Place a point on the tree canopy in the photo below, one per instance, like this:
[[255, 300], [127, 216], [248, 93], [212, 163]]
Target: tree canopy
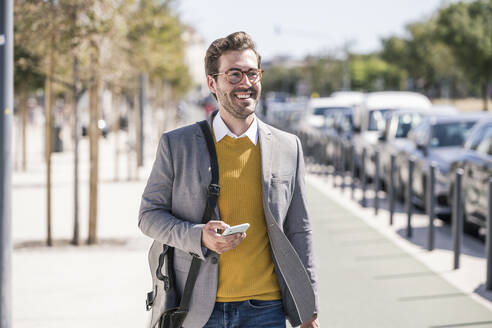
[[133, 37], [466, 27]]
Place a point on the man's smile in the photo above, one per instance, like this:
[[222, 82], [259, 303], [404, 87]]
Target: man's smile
[[243, 95]]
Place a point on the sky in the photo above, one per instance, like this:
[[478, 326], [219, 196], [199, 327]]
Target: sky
[[299, 28]]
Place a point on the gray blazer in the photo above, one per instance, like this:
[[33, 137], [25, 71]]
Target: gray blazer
[[172, 207]]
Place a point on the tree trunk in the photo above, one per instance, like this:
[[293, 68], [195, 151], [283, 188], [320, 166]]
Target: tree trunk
[[130, 139], [23, 108], [485, 95], [116, 134], [136, 113], [142, 102], [75, 135], [48, 136], [94, 145]]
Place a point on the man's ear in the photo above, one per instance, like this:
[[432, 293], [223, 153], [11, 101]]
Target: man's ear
[[211, 84]]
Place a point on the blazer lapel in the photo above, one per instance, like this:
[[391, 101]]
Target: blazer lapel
[[266, 149], [290, 265]]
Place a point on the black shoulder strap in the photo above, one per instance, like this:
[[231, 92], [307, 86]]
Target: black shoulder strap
[[212, 196], [213, 188]]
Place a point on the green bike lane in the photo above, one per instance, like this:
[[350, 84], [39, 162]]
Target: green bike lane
[[368, 281]]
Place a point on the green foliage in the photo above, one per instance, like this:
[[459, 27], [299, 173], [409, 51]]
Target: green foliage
[[371, 73], [281, 78], [466, 27], [325, 75], [129, 37], [428, 62], [316, 75], [155, 45], [27, 77]]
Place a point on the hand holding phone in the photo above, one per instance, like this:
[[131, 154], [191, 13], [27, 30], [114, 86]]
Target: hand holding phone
[[240, 228], [217, 242]]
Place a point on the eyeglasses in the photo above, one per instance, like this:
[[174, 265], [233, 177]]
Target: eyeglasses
[[234, 76]]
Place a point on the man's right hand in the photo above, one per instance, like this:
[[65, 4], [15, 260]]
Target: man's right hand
[[216, 242]]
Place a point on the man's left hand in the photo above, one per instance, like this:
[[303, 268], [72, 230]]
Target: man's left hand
[[311, 323]]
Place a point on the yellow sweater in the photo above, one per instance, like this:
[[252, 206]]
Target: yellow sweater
[[245, 272]]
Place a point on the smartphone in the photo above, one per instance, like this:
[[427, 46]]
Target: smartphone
[[240, 228]]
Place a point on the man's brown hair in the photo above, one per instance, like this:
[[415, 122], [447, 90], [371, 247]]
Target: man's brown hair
[[234, 41]]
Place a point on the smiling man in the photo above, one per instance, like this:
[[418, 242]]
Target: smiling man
[[253, 280]]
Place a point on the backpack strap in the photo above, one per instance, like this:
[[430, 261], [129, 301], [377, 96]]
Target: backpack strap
[[212, 196], [213, 188]]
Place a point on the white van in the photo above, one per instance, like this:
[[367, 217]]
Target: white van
[[369, 118]]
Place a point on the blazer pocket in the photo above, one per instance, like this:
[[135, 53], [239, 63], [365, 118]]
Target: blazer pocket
[[280, 194]]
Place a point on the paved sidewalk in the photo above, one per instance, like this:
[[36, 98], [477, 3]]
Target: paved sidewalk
[[368, 280]]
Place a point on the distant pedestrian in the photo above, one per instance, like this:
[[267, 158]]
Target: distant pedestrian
[[253, 280]]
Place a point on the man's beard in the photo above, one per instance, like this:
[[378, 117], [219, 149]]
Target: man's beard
[[230, 103]]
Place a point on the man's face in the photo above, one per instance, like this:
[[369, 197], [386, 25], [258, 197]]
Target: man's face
[[240, 99]]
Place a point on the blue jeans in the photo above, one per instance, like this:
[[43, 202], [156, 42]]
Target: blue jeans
[[250, 313]]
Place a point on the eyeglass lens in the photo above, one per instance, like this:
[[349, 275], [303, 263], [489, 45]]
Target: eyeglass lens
[[235, 76]]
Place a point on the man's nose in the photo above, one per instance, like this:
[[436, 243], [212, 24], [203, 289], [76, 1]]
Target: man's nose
[[245, 80]]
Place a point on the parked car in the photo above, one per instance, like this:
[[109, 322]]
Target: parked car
[[477, 170], [317, 128], [341, 130], [320, 111], [439, 140], [394, 139], [369, 119]]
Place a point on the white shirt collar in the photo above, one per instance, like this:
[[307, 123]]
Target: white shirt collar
[[221, 130]]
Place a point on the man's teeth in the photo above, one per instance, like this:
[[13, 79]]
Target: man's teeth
[[243, 95]]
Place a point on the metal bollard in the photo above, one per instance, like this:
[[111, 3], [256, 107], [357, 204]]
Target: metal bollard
[[376, 182], [457, 218], [363, 176], [335, 162], [352, 169], [391, 189], [326, 160], [488, 243], [409, 204], [431, 199], [333, 153], [342, 164], [316, 151]]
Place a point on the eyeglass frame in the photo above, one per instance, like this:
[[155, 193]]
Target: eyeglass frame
[[243, 73]]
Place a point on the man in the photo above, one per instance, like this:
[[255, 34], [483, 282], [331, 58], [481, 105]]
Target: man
[[246, 280]]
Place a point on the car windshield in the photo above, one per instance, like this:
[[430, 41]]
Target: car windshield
[[405, 123], [328, 110], [450, 134], [376, 119]]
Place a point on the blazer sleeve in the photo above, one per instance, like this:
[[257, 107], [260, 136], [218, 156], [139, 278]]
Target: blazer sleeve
[[297, 227], [155, 216]]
